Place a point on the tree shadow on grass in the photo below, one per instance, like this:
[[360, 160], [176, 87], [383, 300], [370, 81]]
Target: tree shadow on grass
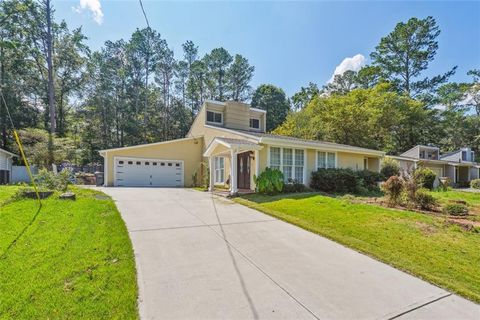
[[14, 241]]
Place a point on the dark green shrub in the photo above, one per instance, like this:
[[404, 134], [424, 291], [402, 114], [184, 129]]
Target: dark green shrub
[[475, 184], [456, 209], [393, 189], [335, 180], [369, 179], [270, 181], [426, 177], [390, 167], [293, 186], [425, 200]]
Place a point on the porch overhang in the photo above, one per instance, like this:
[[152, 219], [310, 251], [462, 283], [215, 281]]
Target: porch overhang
[[220, 146]]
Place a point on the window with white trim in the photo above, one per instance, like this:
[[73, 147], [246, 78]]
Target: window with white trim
[[254, 123], [214, 117], [219, 169], [326, 160], [288, 160]]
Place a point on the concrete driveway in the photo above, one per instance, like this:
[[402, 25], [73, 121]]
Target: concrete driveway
[[203, 257]]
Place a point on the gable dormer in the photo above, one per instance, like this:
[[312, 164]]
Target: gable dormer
[[235, 115], [423, 152], [461, 155]]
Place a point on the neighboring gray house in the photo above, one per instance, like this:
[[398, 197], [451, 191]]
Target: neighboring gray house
[[6, 166], [459, 166]]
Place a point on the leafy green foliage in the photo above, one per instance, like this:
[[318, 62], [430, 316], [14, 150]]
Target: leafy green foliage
[[376, 118], [48, 180], [456, 209], [334, 180], [424, 200], [393, 189], [270, 181], [475, 184], [293, 186], [390, 167], [273, 100], [369, 179], [426, 177]]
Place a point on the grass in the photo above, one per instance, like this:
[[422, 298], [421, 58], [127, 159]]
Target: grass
[[7, 192], [423, 245], [74, 261]]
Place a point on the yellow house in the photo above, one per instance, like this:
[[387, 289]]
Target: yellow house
[[230, 138]]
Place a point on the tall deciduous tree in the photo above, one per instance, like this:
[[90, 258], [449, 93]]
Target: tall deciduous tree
[[273, 100], [304, 96], [406, 52]]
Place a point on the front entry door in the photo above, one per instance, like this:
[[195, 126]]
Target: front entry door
[[243, 170]]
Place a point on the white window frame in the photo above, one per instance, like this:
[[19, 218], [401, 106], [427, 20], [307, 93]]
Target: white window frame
[[293, 161], [250, 123], [218, 169], [326, 159], [213, 122]]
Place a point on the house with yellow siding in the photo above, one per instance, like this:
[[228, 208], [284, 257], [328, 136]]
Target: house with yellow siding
[[230, 139]]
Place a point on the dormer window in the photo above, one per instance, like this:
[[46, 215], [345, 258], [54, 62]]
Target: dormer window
[[214, 117], [254, 123]]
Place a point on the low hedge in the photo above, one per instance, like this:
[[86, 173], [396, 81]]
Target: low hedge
[[344, 180]]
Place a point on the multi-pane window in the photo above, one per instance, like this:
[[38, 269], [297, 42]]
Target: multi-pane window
[[214, 117], [290, 161], [219, 170], [275, 162], [254, 123], [326, 160]]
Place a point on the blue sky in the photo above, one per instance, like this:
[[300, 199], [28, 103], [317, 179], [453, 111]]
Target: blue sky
[[289, 43]]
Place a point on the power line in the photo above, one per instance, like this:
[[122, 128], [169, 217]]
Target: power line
[[144, 14]]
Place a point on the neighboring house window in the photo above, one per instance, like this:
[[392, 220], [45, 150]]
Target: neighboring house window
[[326, 160], [254, 123], [214, 117], [219, 169], [472, 156], [422, 154], [464, 155], [290, 161]]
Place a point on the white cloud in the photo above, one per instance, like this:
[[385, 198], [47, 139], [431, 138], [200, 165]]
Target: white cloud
[[354, 63], [94, 7]]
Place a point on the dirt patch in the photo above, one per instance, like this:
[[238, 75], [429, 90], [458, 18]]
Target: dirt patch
[[426, 228]]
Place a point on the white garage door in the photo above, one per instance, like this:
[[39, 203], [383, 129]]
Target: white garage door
[[135, 172]]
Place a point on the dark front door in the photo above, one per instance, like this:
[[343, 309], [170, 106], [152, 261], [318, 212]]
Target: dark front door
[[243, 170]]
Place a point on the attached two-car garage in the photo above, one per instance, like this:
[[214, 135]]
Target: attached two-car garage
[[172, 163], [135, 172]]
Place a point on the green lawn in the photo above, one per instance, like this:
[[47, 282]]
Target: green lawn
[[7, 192], [420, 244], [75, 261]]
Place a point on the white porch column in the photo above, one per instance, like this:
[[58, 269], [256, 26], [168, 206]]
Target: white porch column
[[233, 172], [211, 167]]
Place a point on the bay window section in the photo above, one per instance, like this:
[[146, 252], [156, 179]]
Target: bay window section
[[326, 160], [290, 161]]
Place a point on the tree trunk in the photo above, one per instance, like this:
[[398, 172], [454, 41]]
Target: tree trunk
[[51, 88]]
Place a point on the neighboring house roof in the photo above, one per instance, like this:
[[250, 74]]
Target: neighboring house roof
[[448, 154], [8, 152]]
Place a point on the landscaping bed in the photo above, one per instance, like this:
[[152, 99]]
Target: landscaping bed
[[69, 259], [424, 245]]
